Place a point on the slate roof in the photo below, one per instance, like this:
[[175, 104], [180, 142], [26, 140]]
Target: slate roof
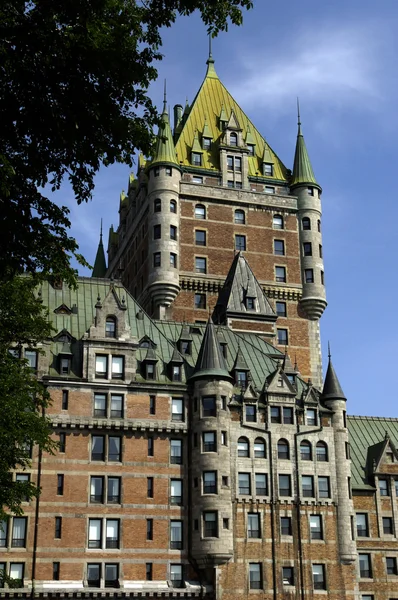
[[302, 168], [364, 433], [99, 268], [331, 388], [210, 361], [164, 152]]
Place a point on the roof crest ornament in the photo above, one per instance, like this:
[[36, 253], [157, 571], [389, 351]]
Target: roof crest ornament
[[329, 353], [298, 116], [164, 98]]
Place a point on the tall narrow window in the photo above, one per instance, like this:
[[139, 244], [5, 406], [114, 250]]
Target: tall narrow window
[[316, 527], [176, 491], [309, 275], [176, 535], [58, 528], [244, 484], [240, 217], [18, 538], [60, 485], [233, 139], [148, 571], [200, 211], [176, 452], [56, 571], [210, 482], [318, 576], [306, 223], [112, 533], [306, 450], [210, 525], [283, 449], [279, 247], [255, 576], [65, 399], [149, 529], [253, 525], [307, 482], [321, 452], [277, 222], [240, 243], [110, 327], [280, 274], [261, 484], [150, 487], [62, 442], [365, 568]]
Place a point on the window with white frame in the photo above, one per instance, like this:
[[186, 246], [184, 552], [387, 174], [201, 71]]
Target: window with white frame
[[176, 538], [177, 409]]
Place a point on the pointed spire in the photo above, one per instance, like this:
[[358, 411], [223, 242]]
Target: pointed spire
[[99, 269], [210, 362], [211, 72], [332, 388], [302, 169], [164, 152], [240, 363]]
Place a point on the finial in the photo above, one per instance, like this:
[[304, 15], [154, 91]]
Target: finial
[[164, 97], [295, 362], [298, 117], [101, 231], [329, 353], [210, 39]]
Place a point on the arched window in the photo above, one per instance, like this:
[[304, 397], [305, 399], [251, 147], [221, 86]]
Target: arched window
[[233, 139], [110, 327], [240, 217], [157, 205], [283, 449], [259, 448], [243, 447], [277, 222], [306, 223], [200, 211], [322, 452], [305, 450], [173, 206]]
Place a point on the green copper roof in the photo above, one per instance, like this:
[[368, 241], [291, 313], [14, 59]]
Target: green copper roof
[[249, 137], [210, 362], [302, 169], [332, 388], [99, 269], [196, 147], [165, 151], [206, 133]]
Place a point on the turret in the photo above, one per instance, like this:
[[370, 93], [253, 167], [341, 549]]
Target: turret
[[210, 470], [164, 174], [99, 269], [308, 191], [333, 398]]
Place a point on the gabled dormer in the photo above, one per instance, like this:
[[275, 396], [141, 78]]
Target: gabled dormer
[[207, 137], [278, 384], [148, 365], [382, 458], [196, 152], [240, 370], [185, 341], [175, 366], [267, 163]]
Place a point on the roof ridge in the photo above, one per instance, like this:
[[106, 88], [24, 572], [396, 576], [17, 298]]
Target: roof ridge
[[373, 418]]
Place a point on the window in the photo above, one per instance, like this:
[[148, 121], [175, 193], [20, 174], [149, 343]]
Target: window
[[99, 443], [268, 169], [243, 447], [277, 222], [320, 251], [148, 571], [288, 415], [173, 260], [197, 179], [117, 367], [209, 441], [306, 223], [200, 265], [157, 232], [176, 535], [233, 139], [65, 399], [286, 525], [101, 366], [176, 576], [18, 538], [152, 405], [31, 357], [240, 243], [209, 406], [173, 232], [307, 249], [269, 189], [306, 450], [362, 525], [173, 206], [149, 529], [65, 362], [176, 491], [56, 571], [318, 576], [100, 529], [280, 274], [197, 159], [288, 575], [149, 486], [365, 568], [97, 490], [281, 309], [200, 211], [176, 452], [60, 485], [283, 449], [156, 259], [210, 525], [250, 148], [261, 484], [311, 191], [62, 442], [253, 525], [200, 237], [276, 414], [112, 575], [259, 448], [383, 487], [322, 278], [250, 303], [17, 573], [285, 485], [241, 379], [250, 413], [316, 527], [99, 405], [206, 143], [151, 446], [323, 487], [279, 247], [3, 533], [200, 301], [309, 275], [57, 528], [255, 576], [387, 526], [177, 409], [210, 482], [307, 484], [115, 408], [94, 575], [239, 217], [391, 564], [169, 171], [244, 484], [321, 452], [311, 416]]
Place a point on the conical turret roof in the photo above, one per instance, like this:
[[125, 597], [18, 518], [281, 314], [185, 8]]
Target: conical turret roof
[[99, 269], [165, 151], [302, 168], [332, 389], [210, 362]]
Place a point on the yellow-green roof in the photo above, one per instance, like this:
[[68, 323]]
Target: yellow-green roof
[[211, 99]]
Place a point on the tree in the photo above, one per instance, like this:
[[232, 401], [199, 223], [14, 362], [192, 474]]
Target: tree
[[74, 88]]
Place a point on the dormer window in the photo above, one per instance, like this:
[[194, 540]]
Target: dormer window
[[241, 379], [110, 327], [268, 169], [185, 347], [206, 143], [233, 139], [65, 365], [250, 148], [196, 159], [150, 371], [250, 303], [176, 373]]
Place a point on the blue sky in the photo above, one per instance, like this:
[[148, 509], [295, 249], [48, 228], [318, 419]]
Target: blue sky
[[341, 60]]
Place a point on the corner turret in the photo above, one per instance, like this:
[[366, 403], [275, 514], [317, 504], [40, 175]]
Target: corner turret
[[99, 269]]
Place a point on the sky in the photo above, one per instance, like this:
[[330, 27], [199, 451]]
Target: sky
[[340, 58]]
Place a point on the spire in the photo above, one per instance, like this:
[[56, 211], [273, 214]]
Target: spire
[[211, 72], [332, 388], [302, 169], [164, 151], [99, 269], [210, 362]]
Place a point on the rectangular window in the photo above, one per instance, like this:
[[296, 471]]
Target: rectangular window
[[60, 485], [209, 441], [176, 535], [251, 413], [101, 366], [98, 447], [261, 484], [56, 571], [244, 484], [113, 493], [65, 399], [94, 533], [94, 575], [150, 487], [150, 446], [362, 525], [157, 232], [286, 525], [148, 571], [210, 525], [176, 491], [269, 189], [309, 275], [240, 243], [285, 485], [288, 415], [176, 576], [114, 449], [282, 337], [111, 575], [177, 409], [97, 490], [31, 357], [156, 259], [307, 249], [387, 526], [255, 576], [383, 487], [318, 576], [200, 265], [268, 169], [200, 238], [279, 247], [281, 309], [391, 565], [209, 406], [196, 159], [112, 533], [3, 534], [58, 528], [316, 527], [323, 487], [200, 301], [62, 442], [365, 568], [197, 179], [210, 482], [18, 538], [99, 405], [307, 482], [17, 573], [117, 367], [253, 525], [280, 274], [176, 452], [116, 406], [152, 405], [149, 529], [169, 171], [276, 414], [173, 260], [311, 416], [288, 575]]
